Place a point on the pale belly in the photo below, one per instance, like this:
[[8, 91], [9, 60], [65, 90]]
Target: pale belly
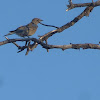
[[32, 31]]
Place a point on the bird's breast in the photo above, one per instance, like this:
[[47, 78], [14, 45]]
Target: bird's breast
[[32, 30]]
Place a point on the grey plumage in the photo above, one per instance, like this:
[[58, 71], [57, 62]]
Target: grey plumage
[[26, 30]]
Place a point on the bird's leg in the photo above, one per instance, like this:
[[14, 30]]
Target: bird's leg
[[27, 41], [28, 48], [28, 36]]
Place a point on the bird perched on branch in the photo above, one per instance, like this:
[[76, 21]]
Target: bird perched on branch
[[27, 30]]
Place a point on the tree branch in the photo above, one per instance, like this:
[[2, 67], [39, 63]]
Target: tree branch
[[47, 46], [93, 4], [73, 46], [30, 47], [62, 28]]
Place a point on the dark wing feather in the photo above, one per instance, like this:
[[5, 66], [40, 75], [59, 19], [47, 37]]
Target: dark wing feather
[[16, 29]]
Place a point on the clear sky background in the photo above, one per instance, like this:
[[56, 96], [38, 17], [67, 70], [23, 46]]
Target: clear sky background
[[57, 75]]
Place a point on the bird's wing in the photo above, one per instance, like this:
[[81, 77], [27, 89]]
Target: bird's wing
[[19, 28], [22, 31]]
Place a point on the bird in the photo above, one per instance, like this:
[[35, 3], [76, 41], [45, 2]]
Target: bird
[[26, 30]]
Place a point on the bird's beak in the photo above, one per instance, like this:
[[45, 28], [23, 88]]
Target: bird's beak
[[41, 20]]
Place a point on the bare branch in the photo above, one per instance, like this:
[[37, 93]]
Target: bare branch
[[49, 25], [93, 4], [30, 47], [72, 46], [70, 2], [14, 43], [62, 28], [47, 46]]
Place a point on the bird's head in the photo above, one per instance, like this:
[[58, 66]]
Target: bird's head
[[36, 20]]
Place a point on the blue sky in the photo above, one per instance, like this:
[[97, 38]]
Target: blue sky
[[57, 75]]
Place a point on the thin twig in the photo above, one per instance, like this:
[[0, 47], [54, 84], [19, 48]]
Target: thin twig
[[12, 42], [49, 25]]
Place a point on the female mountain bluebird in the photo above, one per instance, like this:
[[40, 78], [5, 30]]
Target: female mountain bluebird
[[26, 30]]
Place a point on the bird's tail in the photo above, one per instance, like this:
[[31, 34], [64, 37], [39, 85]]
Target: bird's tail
[[9, 33]]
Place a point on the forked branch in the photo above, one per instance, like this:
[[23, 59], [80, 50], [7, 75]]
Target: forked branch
[[33, 42]]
